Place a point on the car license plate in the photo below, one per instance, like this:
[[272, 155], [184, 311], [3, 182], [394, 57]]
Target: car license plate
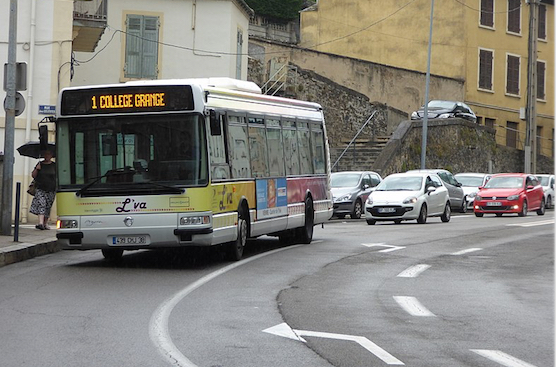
[[494, 203], [386, 210], [129, 240]]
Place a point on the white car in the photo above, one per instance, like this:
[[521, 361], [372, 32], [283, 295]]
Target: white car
[[547, 183], [470, 183], [407, 196]]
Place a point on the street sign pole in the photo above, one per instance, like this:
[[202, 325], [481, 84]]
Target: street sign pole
[[427, 82], [8, 169]]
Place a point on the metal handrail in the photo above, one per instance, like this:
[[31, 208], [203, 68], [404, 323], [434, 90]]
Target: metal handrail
[[282, 79], [352, 140]]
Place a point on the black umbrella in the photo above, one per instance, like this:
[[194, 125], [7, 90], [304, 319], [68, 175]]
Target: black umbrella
[[33, 149]]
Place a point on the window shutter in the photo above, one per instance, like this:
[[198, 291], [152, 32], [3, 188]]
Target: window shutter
[[150, 48], [133, 46]]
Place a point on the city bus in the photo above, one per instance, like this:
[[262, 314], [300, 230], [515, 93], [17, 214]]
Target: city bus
[[183, 163]]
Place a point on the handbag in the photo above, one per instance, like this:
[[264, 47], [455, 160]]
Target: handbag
[[32, 188]]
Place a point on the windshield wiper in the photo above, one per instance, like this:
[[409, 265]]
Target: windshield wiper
[[114, 172], [177, 190]]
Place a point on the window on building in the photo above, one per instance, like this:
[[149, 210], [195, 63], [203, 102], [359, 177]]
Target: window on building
[[512, 74], [489, 122], [539, 140], [485, 69], [542, 21], [141, 48], [511, 134], [514, 16], [487, 13], [541, 86], [479, 120], [239, 52]]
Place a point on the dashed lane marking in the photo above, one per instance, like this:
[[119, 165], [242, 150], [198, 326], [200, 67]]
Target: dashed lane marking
[[414, 271], [389, 248], [412, 306], [502, 358], [466, 251], [532, 224]]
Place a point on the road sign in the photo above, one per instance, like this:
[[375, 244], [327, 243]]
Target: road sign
[[19, 103]]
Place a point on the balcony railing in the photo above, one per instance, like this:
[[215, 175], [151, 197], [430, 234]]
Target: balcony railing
[[95, 10], [89, 22]]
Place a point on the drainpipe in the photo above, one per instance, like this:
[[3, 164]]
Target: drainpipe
[[30, 79]]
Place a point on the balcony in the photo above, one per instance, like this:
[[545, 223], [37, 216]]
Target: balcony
[[89, 23]]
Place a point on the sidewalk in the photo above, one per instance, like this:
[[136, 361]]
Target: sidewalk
[[31, 243]]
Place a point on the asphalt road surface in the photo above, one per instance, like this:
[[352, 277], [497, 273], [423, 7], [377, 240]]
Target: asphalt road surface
[[472, 292]]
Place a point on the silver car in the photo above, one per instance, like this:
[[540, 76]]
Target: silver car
[[547, 183], [407, 196], [350, 189], [470, 183]]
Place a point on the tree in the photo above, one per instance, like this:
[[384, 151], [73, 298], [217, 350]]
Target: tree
[[278, 10]]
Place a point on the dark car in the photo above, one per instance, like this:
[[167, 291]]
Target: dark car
[[350, 189], [445, 110]]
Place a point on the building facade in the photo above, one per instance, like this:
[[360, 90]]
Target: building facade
[[484, 43], [164, 39]]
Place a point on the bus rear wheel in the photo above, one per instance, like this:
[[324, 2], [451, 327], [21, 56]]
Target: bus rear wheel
[[306, 232]]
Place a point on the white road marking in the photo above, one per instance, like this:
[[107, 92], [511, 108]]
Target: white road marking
[[414, 271], [285, 331], [389, 248], [412, 306], [533, 224], [158, 326], [502, 358], [466, 251]]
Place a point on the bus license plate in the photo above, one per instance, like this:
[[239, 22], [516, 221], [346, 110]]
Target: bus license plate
[[129, 240], [386, 210], [494, 203]]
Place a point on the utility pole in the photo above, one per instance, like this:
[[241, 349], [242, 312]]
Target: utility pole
[[8, 170], [427, 82], [531, 107]]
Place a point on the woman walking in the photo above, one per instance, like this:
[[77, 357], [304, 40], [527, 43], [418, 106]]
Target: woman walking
[[45, 179]]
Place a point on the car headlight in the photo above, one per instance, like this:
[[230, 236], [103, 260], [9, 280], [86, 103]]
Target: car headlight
[[477, 197], [513, 197], [445, 115], [370, 200], [414, 114], [472, 195], [344, 198], [410, 200]]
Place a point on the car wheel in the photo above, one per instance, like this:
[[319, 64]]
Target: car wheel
[[371, 222], [498, 214], [445, 217], [357, 210], [398, 221], [340, 216], [422, 219], [549, 204], [542, 209], [463, 208], [523, 211], [479, 215]]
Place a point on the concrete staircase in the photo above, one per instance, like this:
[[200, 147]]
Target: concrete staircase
[[360, 156]]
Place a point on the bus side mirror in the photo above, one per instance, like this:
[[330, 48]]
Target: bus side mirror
[[43, 138], [215, 128]]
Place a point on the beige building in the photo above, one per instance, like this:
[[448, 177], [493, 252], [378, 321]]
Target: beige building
[[484, 43]]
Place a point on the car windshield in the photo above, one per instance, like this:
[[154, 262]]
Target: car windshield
[[344, 179], [543, 180], [441, 104], [400, 183], [470, 181], [505, 183]]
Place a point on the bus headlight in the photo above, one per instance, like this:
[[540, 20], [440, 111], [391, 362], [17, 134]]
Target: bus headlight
[[194, 220], [66, 223]]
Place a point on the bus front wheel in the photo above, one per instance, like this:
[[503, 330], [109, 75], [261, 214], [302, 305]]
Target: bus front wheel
[[235, 248]]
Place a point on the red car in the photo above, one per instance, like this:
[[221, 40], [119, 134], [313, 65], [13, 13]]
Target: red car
[[510, 193]]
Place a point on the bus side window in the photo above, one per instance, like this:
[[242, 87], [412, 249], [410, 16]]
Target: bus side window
[[219, 166], [318, 148], [257, 147], [304, 141], [275, 147], [291, 151], [238, 148]]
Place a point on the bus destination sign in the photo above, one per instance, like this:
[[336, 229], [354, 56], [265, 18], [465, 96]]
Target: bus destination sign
[[130, 99]]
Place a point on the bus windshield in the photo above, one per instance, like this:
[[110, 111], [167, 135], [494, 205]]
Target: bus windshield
[[131, 153]]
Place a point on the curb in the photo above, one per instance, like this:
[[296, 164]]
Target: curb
[[24, 251]]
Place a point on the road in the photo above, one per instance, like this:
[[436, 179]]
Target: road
[[471, 292]]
